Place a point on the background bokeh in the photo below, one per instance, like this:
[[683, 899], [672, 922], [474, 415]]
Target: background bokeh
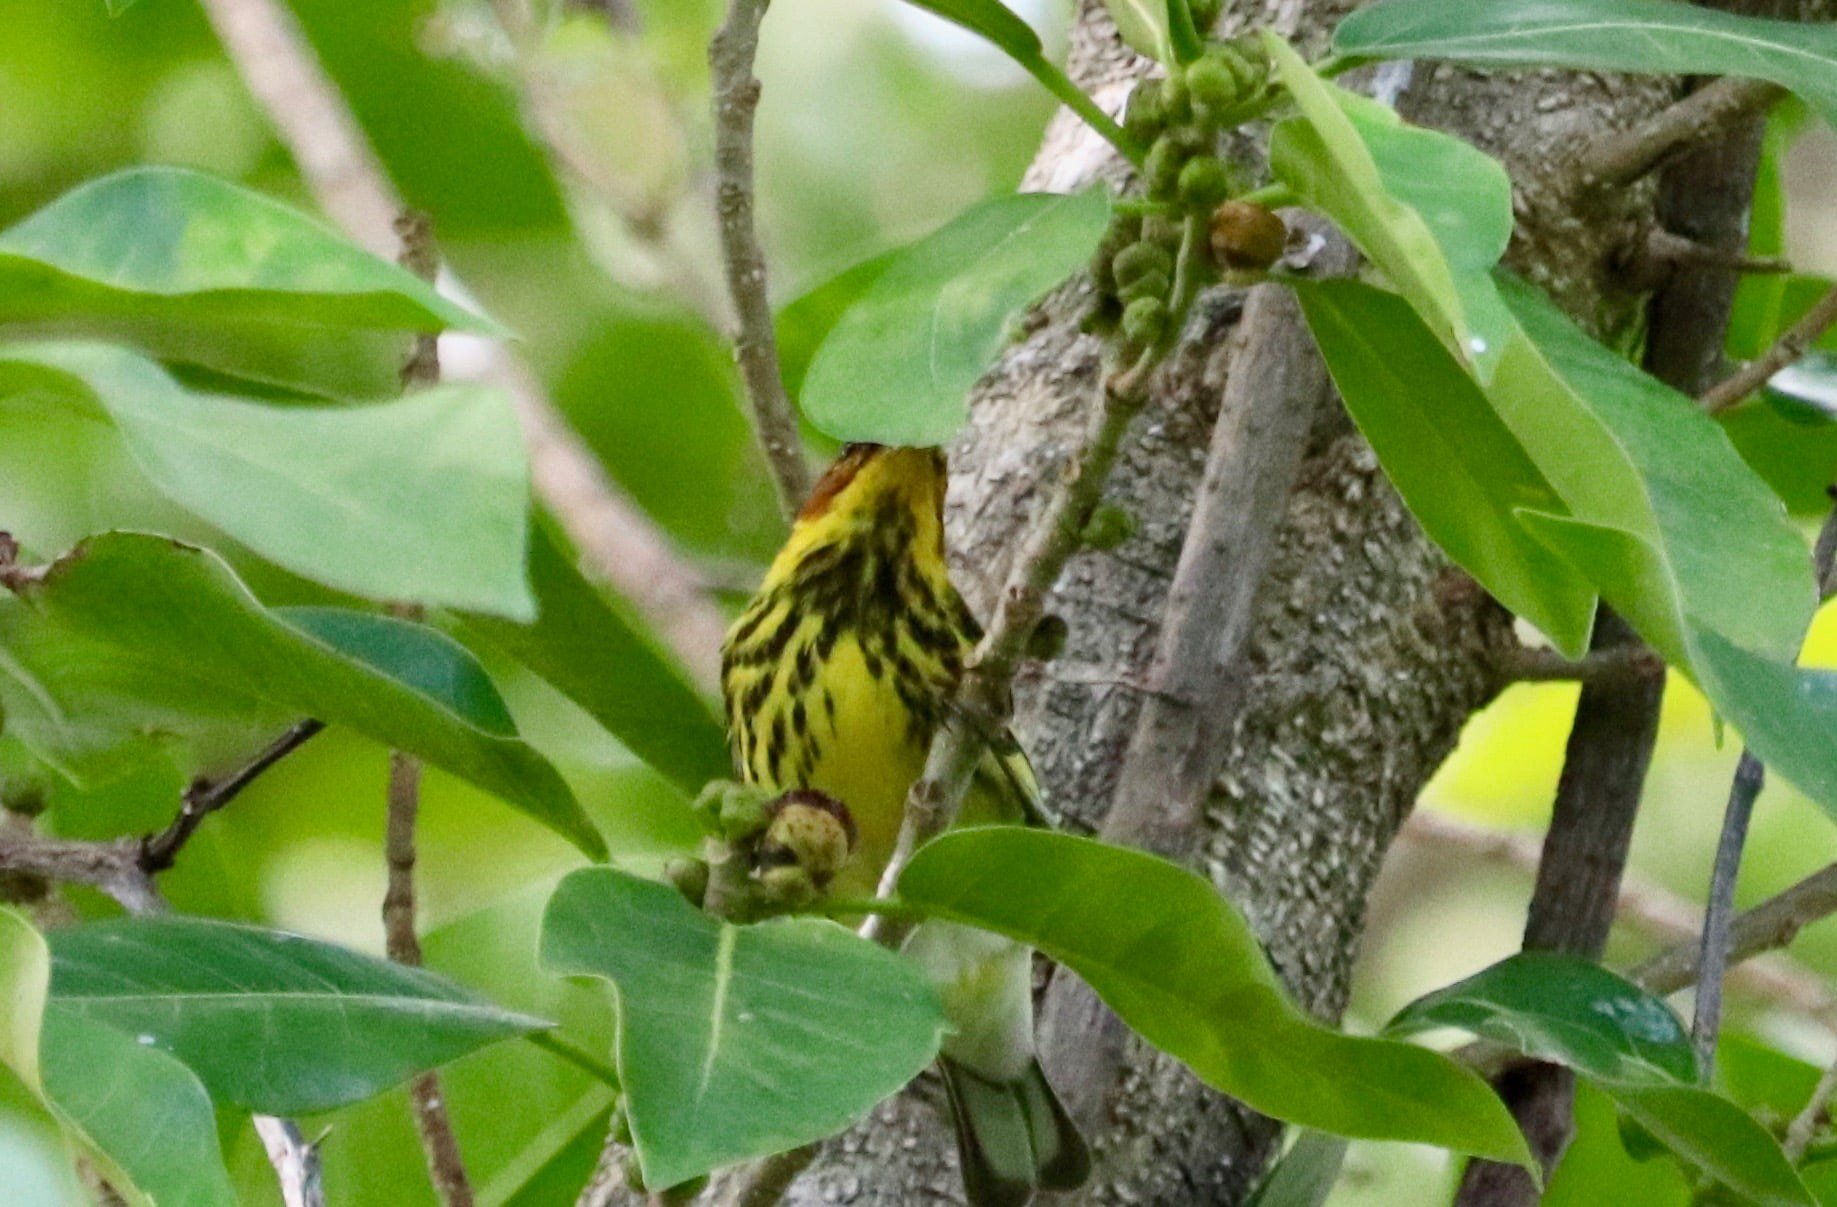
[[568, 179]]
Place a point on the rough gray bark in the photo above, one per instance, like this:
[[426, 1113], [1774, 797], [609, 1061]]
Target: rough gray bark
[[1368, 653]]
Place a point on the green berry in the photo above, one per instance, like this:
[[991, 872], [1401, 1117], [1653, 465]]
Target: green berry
[[1213, 84], [1205, 13], [1139, 260], [1154, 285], [1145, 321], [1204, 182], [1176, 102], [1161, 170]]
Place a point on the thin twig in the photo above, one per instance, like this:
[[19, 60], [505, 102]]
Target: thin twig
[[295, 1160], [1771, 925], [204, 797], [1626, 155], [1793, 343], [1750, 775], [625, 548], [1816, 1114], [446, 1166], [736, 101], [1706, 1020], [982, 701]]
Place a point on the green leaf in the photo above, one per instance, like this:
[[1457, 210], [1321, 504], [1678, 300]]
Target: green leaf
[[140, 1113], [1305, 1175], [132, 633], [805, 322], [427, 661], [1602, 35], [272, 1022], [738, 1041], [993, 20], [1182, 968], [199, 270], [1667, 521], [25, 973], [1564, 1009], [1786, 714], [1459, 468], [596, 651], [144, 1116], [554, 1166], [1432, 212], [898, 366], [1717, 1136], [1144, 25], [419, 500]]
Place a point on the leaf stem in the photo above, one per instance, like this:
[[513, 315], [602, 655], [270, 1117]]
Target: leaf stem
[[1271, 196], [1079, 101], [1183, 32], [572, 1054], [892, 907]]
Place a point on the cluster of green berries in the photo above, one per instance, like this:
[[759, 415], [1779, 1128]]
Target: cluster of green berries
[[1180, 120]]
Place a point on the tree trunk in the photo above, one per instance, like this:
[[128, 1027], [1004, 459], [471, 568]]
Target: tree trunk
[[1368, 655]]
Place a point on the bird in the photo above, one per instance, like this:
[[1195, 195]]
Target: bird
[[836, 675]]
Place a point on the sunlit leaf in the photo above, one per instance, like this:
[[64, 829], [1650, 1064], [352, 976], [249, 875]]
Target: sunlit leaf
[[1604, 35], [199, 270], [271, 1022], [1459, 468], [143, 1116], [898, 366], [1701, 538], [1713, 1134], [1183, 969], [132, 633], [1432, 212], [421, 500], [1565, 1009], [738, 1041]]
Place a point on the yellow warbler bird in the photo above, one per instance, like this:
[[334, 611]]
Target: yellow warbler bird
[[836, 677]]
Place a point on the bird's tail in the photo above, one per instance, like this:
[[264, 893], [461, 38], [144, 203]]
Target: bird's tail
[[1014, 1137]]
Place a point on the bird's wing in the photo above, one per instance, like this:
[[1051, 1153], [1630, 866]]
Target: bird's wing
[[1005, 779]]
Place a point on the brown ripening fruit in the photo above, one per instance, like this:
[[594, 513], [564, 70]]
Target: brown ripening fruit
[[1247, 236]]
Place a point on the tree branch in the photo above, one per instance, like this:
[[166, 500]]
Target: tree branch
[[295, 1160], [204, 797], [113, 867], [1791, 345], [1199, 679], [1772, 924], [446, 1167], [736, 100], [1538, 664], [1703, 197], [271, 54], [1626, 155]]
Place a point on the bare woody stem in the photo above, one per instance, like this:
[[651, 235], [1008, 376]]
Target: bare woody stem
[[736, 102], [1750, 775], [982, 703], [1630, 154], [445, 1166], [1791, 345], [204, 797]]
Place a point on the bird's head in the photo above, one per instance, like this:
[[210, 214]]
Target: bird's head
[[869, 478]]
